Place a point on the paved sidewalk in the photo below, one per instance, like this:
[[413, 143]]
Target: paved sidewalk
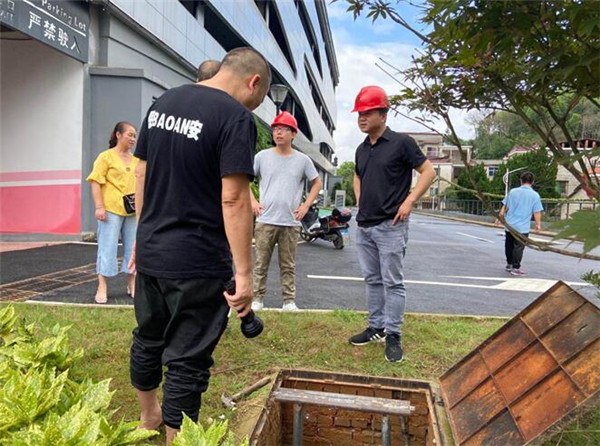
[[18, 246], [54, 271]]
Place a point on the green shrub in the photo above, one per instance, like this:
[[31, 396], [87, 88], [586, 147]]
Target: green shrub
[[194, 434], [41, 405]]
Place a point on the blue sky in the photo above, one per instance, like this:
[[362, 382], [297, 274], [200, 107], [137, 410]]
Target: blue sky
[[359, 45], [382, 31]]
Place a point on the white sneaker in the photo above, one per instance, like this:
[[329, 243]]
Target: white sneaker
[[290, 306], [257, 305]]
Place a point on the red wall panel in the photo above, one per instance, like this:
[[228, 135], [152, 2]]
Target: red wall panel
[[54, 209]]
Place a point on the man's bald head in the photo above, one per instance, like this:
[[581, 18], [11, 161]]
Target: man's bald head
[[207, 69], [246, 61], [244, 75]]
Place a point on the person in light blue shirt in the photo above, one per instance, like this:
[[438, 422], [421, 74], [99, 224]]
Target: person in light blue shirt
[[517, 208]]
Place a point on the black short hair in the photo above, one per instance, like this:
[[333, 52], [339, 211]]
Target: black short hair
[[246, 61], [207, 69], [527, 177]]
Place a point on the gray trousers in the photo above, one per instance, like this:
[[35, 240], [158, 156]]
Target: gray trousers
[[381, 250]]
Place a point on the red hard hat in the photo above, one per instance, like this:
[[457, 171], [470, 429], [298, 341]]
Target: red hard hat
[[284, 118], [370, 98]]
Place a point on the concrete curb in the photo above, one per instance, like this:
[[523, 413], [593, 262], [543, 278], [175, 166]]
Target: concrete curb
[[270, 310], [72, 304], [480, 223]]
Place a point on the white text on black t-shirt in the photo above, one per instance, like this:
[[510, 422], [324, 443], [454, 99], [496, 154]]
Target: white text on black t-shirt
[[189, 127]]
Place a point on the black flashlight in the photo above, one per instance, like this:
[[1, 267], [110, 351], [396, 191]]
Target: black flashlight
[[251, 325]]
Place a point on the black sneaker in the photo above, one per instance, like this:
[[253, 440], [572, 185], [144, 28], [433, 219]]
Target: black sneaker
[[369, 335], [393, 348]]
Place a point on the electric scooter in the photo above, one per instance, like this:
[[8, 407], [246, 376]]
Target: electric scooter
[[332, 228]]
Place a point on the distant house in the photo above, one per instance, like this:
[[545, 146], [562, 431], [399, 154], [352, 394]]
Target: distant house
[[491, 167], [517, 151], [446, 160], [448, 164]]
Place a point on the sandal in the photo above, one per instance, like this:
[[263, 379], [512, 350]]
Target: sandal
[[101, 298]]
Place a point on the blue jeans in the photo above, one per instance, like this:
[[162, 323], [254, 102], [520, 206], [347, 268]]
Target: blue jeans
[[381, 249], [108, 241]]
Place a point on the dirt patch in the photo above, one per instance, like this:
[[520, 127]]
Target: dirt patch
[[247, 413]]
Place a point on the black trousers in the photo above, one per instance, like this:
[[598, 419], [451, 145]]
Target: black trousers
[[513, 249], [180, 322]]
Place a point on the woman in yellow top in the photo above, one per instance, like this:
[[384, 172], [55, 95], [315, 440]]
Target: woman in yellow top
[[111, 179]]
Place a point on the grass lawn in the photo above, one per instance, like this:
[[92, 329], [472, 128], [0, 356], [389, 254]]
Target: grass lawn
[[298, 340]]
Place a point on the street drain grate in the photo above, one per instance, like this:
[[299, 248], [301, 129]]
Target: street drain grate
[[33, 287], [8, 294]]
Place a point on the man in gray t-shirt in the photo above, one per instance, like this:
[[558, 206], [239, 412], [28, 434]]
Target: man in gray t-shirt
[[282, 171]]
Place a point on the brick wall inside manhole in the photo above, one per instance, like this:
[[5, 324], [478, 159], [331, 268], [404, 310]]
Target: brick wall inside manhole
[[327, 426]]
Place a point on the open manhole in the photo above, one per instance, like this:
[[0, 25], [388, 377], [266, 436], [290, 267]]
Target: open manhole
[[518, 387]]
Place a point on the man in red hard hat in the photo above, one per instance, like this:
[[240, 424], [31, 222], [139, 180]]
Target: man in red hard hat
[[384, 161], [282, 171]]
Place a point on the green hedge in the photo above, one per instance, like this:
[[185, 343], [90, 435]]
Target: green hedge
[[41, 405]]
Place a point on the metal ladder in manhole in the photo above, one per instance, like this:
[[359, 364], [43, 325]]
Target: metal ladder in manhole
[[383, 406]]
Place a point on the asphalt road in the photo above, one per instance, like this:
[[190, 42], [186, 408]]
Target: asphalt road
[[450, 267]]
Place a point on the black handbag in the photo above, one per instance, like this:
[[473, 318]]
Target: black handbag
[[129, 203]]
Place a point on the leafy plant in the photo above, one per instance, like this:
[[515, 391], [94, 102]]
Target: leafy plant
[[593, 277], [480, 175], [346, 172], [7, 321], [264, 140], [52, 351], [40, 405], [538, 162], [26, 396], [582, 225], [194, 434]]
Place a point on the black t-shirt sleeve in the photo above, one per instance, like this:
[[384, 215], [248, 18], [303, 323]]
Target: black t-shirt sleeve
[[141, 148], [238, 147], [413, 153]]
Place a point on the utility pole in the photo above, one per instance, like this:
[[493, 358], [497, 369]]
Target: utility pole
[[506, 179]]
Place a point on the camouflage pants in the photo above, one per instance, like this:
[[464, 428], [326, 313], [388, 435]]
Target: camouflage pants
[[266, 236]]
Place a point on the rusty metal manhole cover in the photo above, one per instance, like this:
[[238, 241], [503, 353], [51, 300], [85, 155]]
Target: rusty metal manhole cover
[[529, 375]]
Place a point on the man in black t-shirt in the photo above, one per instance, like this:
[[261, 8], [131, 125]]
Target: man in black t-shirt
[[196, 148], [384, 165]]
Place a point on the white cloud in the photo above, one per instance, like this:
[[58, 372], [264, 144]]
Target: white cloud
[[337, 10], [357, 69]]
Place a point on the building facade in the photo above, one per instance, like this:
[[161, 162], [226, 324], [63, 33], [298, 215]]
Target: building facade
[[72, 69]]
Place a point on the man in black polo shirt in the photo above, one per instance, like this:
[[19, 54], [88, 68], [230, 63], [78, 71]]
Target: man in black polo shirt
[[382, 180], [196, 148]]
